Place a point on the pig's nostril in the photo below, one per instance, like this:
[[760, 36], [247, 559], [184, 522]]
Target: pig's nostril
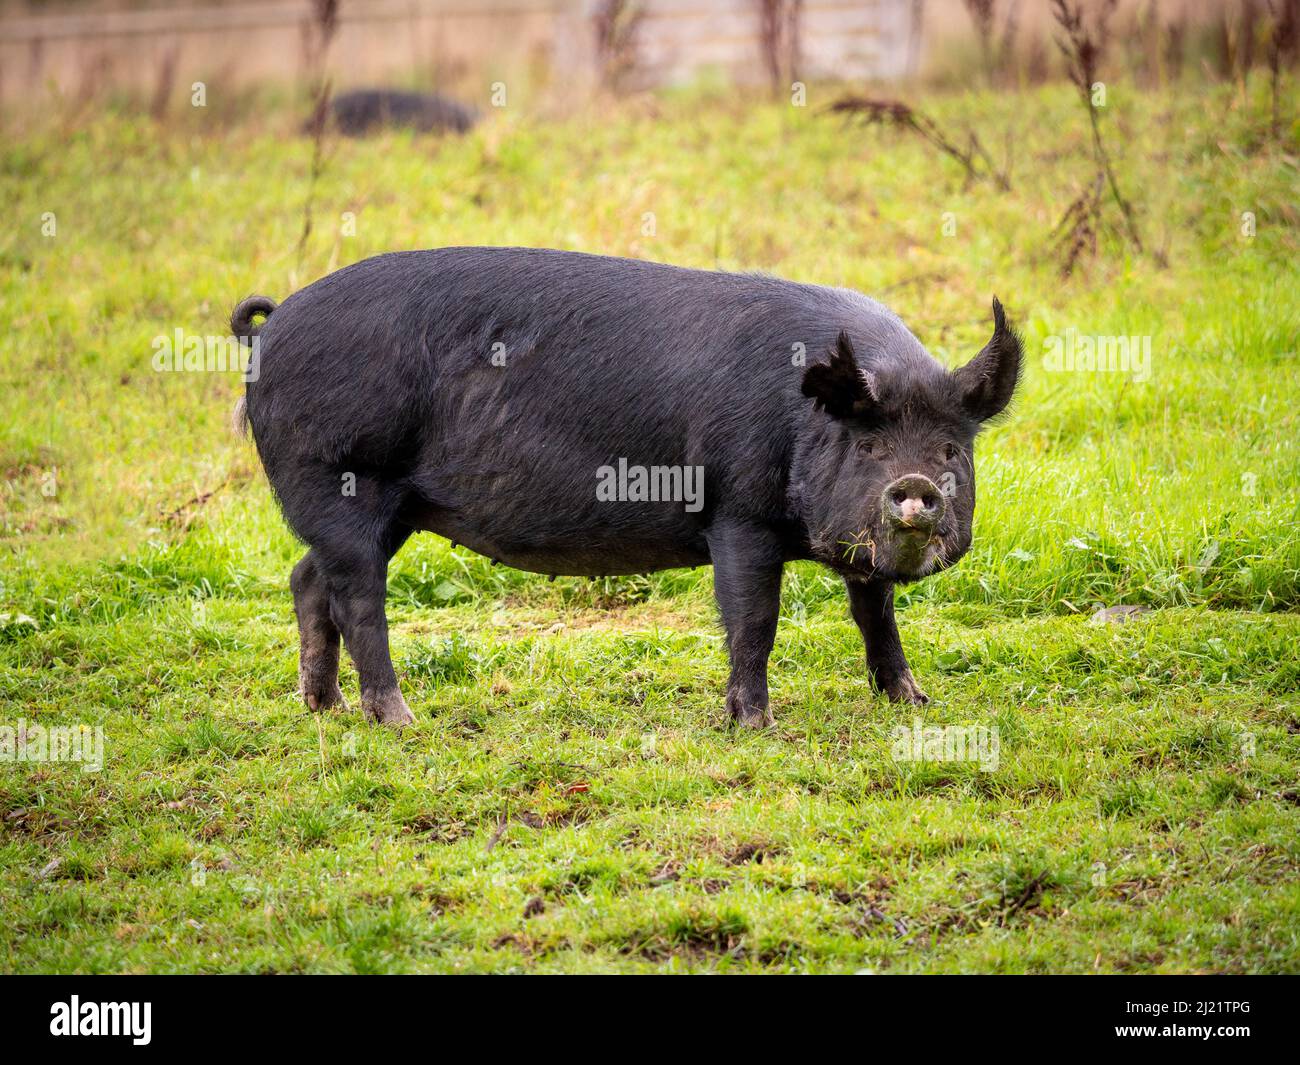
[[900, 497], [927, 501]]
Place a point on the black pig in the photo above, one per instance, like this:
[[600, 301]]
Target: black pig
[[485, 394], [363, 111]]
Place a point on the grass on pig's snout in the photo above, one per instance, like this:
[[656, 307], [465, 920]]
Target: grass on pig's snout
[[861, 541], [570, 797]]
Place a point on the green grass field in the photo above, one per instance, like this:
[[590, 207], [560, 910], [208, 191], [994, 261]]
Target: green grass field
[[570, 798]]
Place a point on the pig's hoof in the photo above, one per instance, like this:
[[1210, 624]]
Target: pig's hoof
[[387, 707], [904, 690], [748, 714], [320, 693]]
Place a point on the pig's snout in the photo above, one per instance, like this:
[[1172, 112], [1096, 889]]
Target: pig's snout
[[913, 502]]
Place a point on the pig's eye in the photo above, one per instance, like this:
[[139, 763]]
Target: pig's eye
[[949, 452], [871, 449]]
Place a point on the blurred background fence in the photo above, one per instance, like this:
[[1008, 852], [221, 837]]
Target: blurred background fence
[[70, 51]]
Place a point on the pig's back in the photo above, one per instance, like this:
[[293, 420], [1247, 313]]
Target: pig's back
[[478, 359]]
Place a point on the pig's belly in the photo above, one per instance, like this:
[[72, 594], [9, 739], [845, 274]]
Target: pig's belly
[[573, 549]]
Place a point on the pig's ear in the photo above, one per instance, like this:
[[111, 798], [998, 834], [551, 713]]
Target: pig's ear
[[839, 386], [989, 380]]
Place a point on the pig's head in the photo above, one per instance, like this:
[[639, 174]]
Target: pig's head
[[885, 479]]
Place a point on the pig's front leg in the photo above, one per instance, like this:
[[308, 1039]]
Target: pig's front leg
[[872, 606], [747, 565]]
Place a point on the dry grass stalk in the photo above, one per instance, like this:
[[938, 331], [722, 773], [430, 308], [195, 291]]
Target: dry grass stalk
[[996, 49], [164, 83], [325, 16], [616, 24], [1283, 39], [778, 27], [974, 158], [1083, 46]]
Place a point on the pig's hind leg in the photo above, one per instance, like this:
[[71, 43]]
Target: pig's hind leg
[[352, 536], [357, 574], [318, 653]]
